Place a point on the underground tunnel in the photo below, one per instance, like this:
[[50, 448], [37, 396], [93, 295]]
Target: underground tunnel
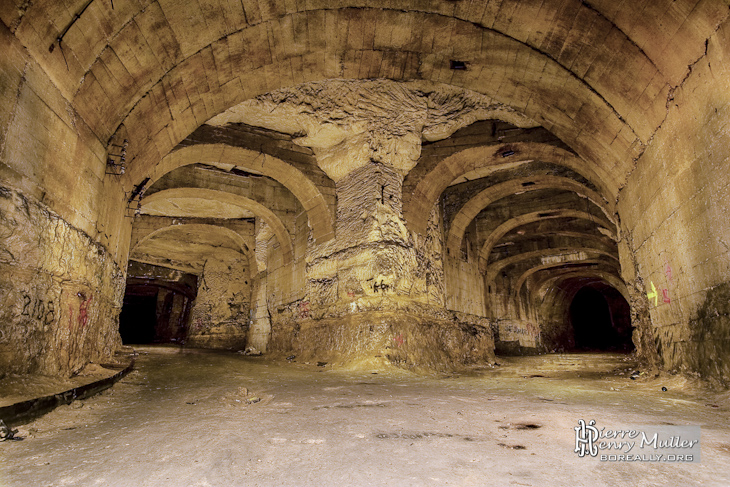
[[450, 226], [600, 324]]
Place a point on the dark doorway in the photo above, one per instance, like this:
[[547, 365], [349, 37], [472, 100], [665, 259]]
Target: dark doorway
[[138, 319], [601, 320], [157, 304]]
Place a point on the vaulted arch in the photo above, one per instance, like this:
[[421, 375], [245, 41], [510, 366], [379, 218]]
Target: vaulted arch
[[233, 236], [494, 268], [257, 209], [417, 202], [522, 185], [549, 284], [517, 289], [527, 218], [94, 51], [216, 76], [310, 197]]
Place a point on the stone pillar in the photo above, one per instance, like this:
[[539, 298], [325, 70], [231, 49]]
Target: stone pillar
[[374, 262], [375, 291], [260, 321]]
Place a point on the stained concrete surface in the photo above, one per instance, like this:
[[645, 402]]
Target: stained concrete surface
[[183, 418]]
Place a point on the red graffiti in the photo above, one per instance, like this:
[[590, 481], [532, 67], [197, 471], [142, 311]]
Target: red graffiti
[[665, 295], [350, 294], [70, 316], [668, 271], [304, 309], [533, 330], [399, 340], [83, 311]]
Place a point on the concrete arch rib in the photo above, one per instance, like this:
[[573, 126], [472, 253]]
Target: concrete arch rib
[[318, 213], [256, 208], [418, 203], [526, 275], [164, 27], [549, 284], [213, 229], [527, 218], [508, 71], [494, 268], [488, 196]]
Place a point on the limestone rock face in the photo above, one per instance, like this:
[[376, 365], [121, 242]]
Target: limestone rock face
[[449, 161], [220, 315], [61, 292], [415, 338], [351, 123]]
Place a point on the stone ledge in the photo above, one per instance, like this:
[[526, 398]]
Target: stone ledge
[[23, 412]]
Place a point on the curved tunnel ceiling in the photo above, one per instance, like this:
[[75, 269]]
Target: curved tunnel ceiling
[[187, 247], [592, 74], [596, 78]]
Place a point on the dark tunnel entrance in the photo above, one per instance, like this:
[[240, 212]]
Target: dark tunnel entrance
[[601, 320], [138, 319], [157, 305]]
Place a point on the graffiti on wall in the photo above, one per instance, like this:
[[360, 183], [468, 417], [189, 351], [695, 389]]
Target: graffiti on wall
[[84, 309], [304, 309], [528, 334], [82, 319], [655, 293], [37, 308]]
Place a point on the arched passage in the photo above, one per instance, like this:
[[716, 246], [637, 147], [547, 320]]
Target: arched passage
[[310, 197], [237, 76], [506, 227], [584, 310], [426, 188], [199, 246], [257, 209], [220, 262], [480, 201], [156, 306]]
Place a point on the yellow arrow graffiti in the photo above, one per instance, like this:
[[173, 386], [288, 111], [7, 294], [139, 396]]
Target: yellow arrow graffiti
[[653, 293]]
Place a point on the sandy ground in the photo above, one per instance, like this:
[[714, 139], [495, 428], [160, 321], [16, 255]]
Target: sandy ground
[[218, 419]]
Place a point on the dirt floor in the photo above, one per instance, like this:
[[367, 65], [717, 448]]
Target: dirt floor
[[187, 418]]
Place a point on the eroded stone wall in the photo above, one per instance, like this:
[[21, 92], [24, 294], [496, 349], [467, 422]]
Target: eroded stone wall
[[61, 292], [418, 338], [220, 317], [60, 288]]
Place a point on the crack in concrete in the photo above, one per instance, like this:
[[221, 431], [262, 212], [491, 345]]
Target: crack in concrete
[[670, 99]]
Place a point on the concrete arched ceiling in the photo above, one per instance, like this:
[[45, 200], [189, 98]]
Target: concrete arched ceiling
[[522, 185], [186, 247], [585, 72], [417, 203], [232, 200], [310, 197], [509, 225]]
